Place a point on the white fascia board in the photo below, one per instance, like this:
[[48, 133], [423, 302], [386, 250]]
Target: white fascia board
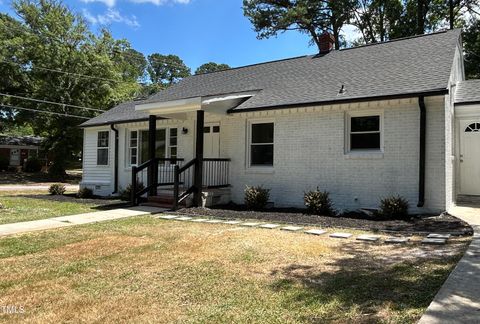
[[213, 99], [171, 107]]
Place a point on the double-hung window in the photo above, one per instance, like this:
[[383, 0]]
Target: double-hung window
[[133, 147], [102, 147], [365, 133], [165, 145], [261, 144]]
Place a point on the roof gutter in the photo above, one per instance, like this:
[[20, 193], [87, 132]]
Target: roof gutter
[[115, 166], [421, 162]]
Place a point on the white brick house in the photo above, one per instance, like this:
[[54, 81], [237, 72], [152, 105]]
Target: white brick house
[[361, 123]]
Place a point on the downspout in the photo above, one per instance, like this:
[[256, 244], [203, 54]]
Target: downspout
[[115, 166], [421, 173]]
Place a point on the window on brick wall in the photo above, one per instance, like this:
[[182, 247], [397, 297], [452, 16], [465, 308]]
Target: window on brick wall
[[261, 144], [364, 133]]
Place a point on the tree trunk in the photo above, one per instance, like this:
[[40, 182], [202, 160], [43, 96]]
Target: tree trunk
[[420, 17]]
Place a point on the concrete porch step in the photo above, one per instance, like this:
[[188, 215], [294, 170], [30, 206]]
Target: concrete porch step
[[469, 200]]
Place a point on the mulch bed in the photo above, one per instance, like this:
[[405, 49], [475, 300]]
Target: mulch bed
[[418, 224], [103, 203]]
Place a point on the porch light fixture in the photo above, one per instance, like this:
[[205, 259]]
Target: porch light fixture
[[184, 130]]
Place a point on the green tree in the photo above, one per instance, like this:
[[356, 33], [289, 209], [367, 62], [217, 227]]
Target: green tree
[[166, 69], [375, 19], [48, 38], [211, 67], [471, 39], [311, 17]]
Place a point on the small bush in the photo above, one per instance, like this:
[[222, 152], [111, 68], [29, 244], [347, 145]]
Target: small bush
[[57, 189], [33, 165], [126, 194], [256, 197], [318, 202], [394, 207], [4, 163], [85, 193]]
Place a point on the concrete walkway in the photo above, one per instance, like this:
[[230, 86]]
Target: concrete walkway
[[458, 301], [64, 221], [35, 187]]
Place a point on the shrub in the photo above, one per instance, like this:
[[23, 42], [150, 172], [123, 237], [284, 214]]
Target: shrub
[[57, 189], [4, 163], [126, 194], [256, 197], [33, 165], [394, 207], [318, 202], [85, 193]]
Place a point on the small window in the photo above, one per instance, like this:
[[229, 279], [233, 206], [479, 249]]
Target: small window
[[475, 127], [261, 144], [102, 148], [365, 133], [216, 129], [173, 142], [133, 147], [206, 129]]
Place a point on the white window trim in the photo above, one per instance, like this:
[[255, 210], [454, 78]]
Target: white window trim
[[103, 148], [248, 165], [128, 165], [366, 153]]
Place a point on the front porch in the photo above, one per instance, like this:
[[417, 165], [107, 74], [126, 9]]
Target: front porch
[[175, 181]]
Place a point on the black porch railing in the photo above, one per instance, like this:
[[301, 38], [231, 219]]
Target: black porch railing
[[174, 173], [147, 177]]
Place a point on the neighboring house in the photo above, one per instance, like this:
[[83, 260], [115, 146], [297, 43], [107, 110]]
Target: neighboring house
[[17, 149], [394, 118]]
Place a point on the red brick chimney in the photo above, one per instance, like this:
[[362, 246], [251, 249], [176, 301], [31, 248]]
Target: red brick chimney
[[326, 41]]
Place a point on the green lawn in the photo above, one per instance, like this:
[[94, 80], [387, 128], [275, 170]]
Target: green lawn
[[148, 270], [27, 206]]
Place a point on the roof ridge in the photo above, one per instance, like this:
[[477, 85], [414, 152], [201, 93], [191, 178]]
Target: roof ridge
[[400, 39], [316, 55]]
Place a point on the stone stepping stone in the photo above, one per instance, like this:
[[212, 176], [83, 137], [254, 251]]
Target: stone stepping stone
[[214, 221], [340, 235], [270, 226], [315, 232], [434, 241], [232, 222], [439, 236], [250, 224], [291, 228], [168, 217], [368, 238], [184, 218], [199, 220], [397, 240]]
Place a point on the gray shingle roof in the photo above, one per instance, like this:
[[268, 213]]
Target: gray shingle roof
[[467, 91], [399, 67], [21, 140]]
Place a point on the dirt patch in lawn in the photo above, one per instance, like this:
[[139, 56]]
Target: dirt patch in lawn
[[420, 224]]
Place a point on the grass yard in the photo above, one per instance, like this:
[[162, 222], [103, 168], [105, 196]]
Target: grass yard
[[148, 270], [33, 205]]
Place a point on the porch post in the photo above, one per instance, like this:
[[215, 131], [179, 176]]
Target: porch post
[[152, 131], [197, 198]]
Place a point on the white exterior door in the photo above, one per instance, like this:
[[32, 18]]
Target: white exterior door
[[211, 141], [15, 157], [470, 157]]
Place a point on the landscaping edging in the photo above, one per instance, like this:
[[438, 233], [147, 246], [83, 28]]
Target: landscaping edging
[[328, 222]]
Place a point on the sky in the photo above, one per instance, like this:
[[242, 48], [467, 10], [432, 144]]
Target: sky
[[198, 31]]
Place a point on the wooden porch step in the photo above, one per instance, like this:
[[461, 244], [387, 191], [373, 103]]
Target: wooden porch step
[[164, 200]]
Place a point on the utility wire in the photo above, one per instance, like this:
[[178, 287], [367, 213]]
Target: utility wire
[[115, 50], [43, 111], [70, 73], [50, 102]]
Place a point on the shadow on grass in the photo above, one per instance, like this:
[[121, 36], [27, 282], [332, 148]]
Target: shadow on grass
[[101, 203], [357, 281]]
